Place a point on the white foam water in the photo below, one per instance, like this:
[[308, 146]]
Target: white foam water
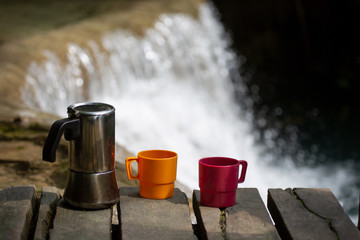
[[172, 90]]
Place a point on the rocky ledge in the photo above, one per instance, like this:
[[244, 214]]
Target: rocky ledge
[[21, 158], [26, 31]]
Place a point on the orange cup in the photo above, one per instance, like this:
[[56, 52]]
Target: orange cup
[[156, 173]]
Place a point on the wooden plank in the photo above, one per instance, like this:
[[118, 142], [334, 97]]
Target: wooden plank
[[48, 201], [323, 203], [17, 209], [208, 219], [293, 220], [142, 218], [72, 223], [115, 221], [247, 219]]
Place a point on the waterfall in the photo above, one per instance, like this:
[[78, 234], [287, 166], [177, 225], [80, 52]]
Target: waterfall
[[172, 90]]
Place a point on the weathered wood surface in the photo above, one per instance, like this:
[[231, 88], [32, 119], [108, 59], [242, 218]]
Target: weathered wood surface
[[80, 224], [309, 214], [208, 219], [247, 219], [300, 213], [142, 218], [47, 209], [329, 209], [17, 209]]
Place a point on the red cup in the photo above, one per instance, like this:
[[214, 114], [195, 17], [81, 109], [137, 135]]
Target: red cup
[[218, 180]]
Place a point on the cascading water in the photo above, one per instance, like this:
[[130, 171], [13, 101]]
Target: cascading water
[[172, 90]]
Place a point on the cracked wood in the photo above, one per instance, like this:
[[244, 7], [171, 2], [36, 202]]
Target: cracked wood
[[309, 214], [247, 219]]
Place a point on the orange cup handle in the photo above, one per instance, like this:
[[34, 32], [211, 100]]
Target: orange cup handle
[[128, 168]]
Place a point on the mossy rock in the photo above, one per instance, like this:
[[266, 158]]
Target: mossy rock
[[21, 159]]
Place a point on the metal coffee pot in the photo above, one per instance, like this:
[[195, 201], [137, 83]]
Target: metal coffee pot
[[90, 130]]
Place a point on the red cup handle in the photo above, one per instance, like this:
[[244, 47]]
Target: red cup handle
[[243, 164]]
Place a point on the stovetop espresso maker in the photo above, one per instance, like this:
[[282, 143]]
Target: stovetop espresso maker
[[90, 130]]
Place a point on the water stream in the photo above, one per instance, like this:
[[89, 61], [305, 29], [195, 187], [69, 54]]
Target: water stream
[[172, 90]]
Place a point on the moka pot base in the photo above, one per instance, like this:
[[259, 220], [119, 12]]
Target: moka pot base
[[91, 190]]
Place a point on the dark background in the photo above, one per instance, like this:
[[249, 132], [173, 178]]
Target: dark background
[[302, 70]]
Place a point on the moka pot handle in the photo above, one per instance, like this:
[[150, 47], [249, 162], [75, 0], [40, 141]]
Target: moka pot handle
[[71, 130]]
